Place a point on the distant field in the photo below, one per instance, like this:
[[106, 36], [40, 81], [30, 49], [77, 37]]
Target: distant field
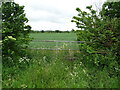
[[54, 36]]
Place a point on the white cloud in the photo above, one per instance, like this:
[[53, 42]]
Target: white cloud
[[52, 14]]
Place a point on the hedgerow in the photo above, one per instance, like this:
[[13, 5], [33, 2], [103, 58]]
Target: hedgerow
[[102, 36], [15, 33]]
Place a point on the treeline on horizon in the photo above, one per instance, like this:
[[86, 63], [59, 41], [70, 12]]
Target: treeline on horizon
[[50, 31]]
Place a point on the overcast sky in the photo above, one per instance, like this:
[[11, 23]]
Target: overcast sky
[[54, 14]]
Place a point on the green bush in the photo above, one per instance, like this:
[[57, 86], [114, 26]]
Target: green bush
[[102, 37], [15, 33]]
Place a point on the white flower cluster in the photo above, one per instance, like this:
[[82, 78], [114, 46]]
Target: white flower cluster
[[24, 59]]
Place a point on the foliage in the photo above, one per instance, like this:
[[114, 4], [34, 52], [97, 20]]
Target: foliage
[[101, 34], [15, 32], [49, 31], [65, 69], [55, 71], [111, 9], [42, 31]]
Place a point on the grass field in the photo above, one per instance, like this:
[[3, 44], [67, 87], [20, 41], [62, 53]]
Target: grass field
[[61, 69], [54, 36]]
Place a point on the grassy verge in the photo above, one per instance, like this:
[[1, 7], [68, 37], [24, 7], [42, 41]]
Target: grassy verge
[[64, 70]]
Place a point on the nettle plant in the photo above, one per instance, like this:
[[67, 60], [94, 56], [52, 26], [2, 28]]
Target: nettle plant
[[101, 34], [15, 33]]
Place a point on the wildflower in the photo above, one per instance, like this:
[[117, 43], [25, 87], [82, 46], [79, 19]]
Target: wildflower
[[24, 59], [21, 60], [27, 60]]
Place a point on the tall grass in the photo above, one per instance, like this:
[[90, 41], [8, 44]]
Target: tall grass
[[64, 70]]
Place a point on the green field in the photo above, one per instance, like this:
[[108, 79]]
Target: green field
[[54, 36]]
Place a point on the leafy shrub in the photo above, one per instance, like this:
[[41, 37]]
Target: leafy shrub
[[15, 33], [101, 34]]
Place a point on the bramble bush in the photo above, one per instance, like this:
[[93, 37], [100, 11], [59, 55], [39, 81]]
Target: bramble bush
[[102, 36], [15, 33]]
